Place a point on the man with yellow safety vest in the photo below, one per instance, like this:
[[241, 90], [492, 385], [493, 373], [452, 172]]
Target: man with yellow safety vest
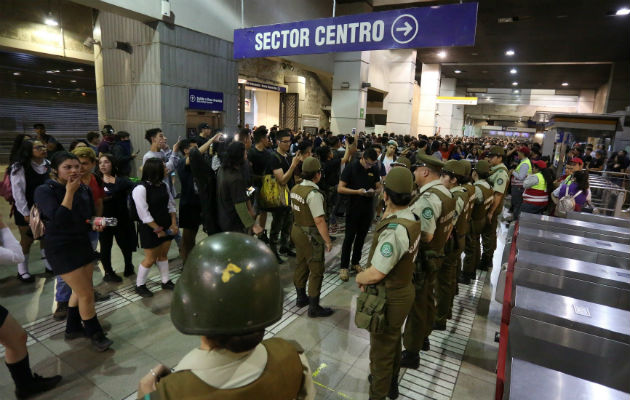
[[521, 172]]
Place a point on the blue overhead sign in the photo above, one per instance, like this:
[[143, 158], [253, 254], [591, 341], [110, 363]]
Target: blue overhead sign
[[436, 26], [205, 100]]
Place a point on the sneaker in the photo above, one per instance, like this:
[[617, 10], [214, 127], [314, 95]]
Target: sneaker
[[409, 359], [37, 385], [357, 268], [98, 297], [61, 312], [101, 342], [343, 274], [129, 271], [287, 252], [332, 229], [112, 277], [143, 291], [168, 285], [26, 278]]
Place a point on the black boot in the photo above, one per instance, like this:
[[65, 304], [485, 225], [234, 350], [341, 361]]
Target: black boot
[[302, 298], [484, 265], [315, 310], [94, 331], [28, 384], [274, 248], [287, 251], [410, 359], [129, 271], [393, 388], [439, 326], [426, 345]]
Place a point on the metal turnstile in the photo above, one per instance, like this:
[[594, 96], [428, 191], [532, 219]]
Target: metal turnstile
[[576, 247], [582, 270], [567, 226], [582, 339], [578, 289], [600, 219], [531, 381]]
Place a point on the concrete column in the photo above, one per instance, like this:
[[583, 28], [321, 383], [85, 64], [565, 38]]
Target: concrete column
[[444, 118], [398, 102], [586, 101], [619, 88], [429, 89], [457, 117], [297, 84], [148, 87], [350, 69]]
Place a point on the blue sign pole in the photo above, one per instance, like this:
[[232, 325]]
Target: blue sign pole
[[437, 26]]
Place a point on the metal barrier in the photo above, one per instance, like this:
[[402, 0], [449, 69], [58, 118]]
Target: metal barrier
[[609, 192]]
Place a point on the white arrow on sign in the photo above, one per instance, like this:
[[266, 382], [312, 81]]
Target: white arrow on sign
[[407, 28]]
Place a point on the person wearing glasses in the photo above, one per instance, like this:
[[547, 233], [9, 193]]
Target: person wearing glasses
[[29, 169], [282, 166], [360, 181], [310, 235], [498, 179]]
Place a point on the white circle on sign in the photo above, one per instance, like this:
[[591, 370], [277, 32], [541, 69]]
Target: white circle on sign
[[406, 28], [192, 98]]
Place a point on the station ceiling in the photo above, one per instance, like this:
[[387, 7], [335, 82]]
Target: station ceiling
[[554, 42]]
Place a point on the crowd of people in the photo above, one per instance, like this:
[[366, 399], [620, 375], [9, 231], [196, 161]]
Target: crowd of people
[[432, 204]]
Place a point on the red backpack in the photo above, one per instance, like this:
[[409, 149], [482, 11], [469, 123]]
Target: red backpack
[[5, 187]]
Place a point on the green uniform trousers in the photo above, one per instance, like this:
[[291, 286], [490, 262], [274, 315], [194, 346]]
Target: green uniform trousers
[[447, 280], [472, 254], [385, 347], [420, 321], [309, 251], [489, 239]]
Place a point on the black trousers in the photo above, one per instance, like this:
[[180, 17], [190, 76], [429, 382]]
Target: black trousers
[[357, 225], [126, 239]]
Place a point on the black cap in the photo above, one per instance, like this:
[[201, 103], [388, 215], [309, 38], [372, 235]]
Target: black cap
[[202, 126]]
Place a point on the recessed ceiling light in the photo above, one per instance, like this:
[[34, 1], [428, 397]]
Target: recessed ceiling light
[[509, 52], [475, 54], [517, 91], [514, 83], [73, 81], [51, 21], [17, 73], [623, 11], [457, 71], [441, 54], [565, 83], [513, 71], [83, 94], [49, 81], [52, 71]]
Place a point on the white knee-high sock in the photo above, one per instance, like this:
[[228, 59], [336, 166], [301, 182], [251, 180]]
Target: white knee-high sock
[[23, 267], [46, 263], [143, 273], [163, 266]]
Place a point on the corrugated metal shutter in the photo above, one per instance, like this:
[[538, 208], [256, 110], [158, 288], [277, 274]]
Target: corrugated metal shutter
[[65, 121]]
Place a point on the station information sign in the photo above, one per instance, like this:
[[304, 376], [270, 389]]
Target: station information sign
[[205, 100], [435, 26]]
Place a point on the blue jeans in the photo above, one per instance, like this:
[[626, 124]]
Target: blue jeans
[[63, 291]]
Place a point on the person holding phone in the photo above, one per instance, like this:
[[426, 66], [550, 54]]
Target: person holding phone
[[360, 181]]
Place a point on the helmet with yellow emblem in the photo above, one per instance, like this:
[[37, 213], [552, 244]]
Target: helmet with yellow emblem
[[230, 285]]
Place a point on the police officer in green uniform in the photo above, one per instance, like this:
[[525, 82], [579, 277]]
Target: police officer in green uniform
[[435, 209], [470, 189], [483, 201], [392, 264], [452, 174], [229, 292], [498, 179], [310, 235]]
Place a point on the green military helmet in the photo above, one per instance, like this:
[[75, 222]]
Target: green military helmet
[[467, 167], [399, 180], [230, 285], [454, 167], [311, 164], [483, 167], [496, 151], [423, 159]]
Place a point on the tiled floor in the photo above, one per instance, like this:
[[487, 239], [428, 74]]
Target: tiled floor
[[460, 365]]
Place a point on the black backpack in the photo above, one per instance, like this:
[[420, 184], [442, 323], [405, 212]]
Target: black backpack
[[131, 204]]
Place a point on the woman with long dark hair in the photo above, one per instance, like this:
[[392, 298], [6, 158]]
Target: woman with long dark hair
[[65, 204], [578, 188], [538, 187], [157, 214], [116, 189], [235, 211], [29, 169]]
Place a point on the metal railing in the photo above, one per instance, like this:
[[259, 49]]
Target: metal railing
[[609, 193]]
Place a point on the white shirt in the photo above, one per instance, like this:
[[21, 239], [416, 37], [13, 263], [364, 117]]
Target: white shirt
[[139, 195], [169, 157], [10, 249], [18, 184]]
